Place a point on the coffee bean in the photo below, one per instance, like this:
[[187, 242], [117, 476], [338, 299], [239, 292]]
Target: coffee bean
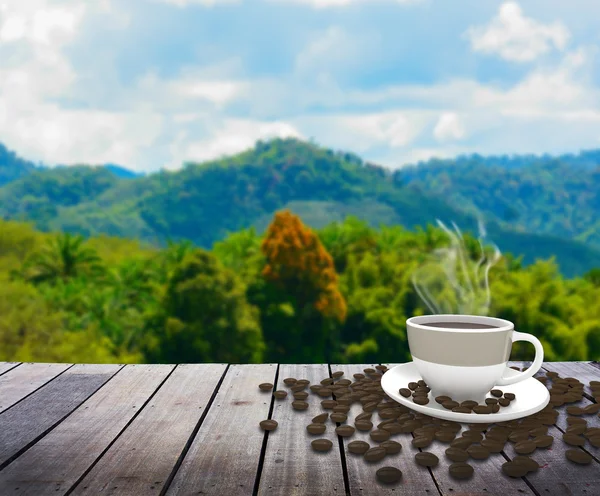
[[290, 381], [441, 399], [388, 475], [544, 441], [405, 392], [474, 436], [375, 454], [421, 401], [363, 425], [503, 402], [573, 440], [369, 371], [268, 425], [412, 386], [492, 445], [470, 404], [327, 381], [300, 395], [575, 420], [394, 428], [338, 374], [422, 441], [491, 401], [449, 405], [364, 416], [321, 444], [461, 443], [482, 410], [315, 388], [495, 408], [265, 386], [315, 428], [460, 470], [299, 405], [391, 447], [529, 463], [496, 393], [379, 435], [426, 459], [513, 469], [358, 447], [338, 417], [478, 452], [370, 407], [345, 430], [325, 392], [341, 408], [457, 455], [594, 440], [525, 447], [344, 382], [591, 409], [591, 432], [328, 404], [303, 382], [298, 387], [445, 436], [321, 418], [539, 431], [509, 396], [574, 410], [552, 375], [578, 456], [461, 409], [498, 434], [280, 394]]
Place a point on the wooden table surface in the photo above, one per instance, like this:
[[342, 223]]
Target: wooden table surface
[[194, 429]]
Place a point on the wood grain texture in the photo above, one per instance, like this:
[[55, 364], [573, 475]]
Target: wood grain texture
[[21, 381], [487, 479], [74, 445], [6, 366], [291, 467], [143, 456], [223, 457], [361, 475], [33, 417]]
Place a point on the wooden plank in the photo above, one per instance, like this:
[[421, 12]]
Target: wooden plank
[[224, 455], [55, 462], [162, 429], [290, 465], [558, 476], [6, 366], [24, 380], [32, 418], [361, 475], [487, 478]]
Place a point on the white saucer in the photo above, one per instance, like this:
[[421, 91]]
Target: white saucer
[[531, 397]]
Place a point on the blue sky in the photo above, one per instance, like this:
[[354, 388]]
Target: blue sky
[[152, 83]]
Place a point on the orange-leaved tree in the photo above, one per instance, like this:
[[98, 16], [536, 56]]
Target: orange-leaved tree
[[303, 281]]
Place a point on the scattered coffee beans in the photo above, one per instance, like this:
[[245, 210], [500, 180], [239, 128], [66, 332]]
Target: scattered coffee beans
[[320, 419], [496, 393], [375, 454], [315, 428], [299, 405], [388, 475], [358, 447], [426, 459], [578, 456], [391, 447], [290, 381], [280, 394], [345, 430], [321, 444], [457, 454], [379, 435], [513, 469], [268, 425], [460, 470], [265, 386]]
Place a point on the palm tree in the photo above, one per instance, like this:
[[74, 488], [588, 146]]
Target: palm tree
[[63, 257]]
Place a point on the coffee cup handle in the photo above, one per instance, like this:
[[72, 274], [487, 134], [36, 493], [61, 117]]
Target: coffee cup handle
[[535, 366]]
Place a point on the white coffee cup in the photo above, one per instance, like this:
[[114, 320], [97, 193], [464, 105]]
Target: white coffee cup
[[465, 356]]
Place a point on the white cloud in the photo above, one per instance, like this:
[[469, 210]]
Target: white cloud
[[449, 127], [515, 37], [204, 3], [321, 4], [229, 136]]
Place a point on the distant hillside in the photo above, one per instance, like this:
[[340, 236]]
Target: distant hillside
[[545, 195], [204, 202], [121, 172], [13, 167]]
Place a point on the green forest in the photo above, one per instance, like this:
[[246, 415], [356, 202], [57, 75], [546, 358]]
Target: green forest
[[340, 293]]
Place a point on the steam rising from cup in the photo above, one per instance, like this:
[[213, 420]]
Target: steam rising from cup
[[452, 281]]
